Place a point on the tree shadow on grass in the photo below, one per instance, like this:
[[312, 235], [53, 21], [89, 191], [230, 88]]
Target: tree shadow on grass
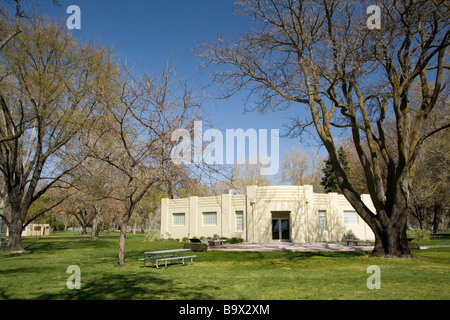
[[131, 286], [51, 244], [242, 256], [329, 254]]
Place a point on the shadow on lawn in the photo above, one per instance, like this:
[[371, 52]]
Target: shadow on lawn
[[130, 286], [329, 254], [257, 256], [51, 244]]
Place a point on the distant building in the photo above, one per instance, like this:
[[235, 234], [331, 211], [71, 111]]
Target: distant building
[[266, 214], [35, 230]]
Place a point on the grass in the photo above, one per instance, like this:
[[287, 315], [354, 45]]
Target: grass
[[40, 273]]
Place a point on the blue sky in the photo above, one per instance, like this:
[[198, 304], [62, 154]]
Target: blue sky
[[149, 32]]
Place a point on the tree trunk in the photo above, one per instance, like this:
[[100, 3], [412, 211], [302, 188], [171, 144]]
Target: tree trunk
[[389, 224], [391, 242], [95, 226], [15, 227], [129, 205], [143, 224], [436, 217], [420, 216], [121, 253], [390, 233]]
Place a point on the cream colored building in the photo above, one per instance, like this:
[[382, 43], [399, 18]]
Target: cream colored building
[[265, 214], [35, 229]]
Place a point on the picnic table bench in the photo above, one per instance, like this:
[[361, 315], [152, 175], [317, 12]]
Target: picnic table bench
[[166, 255], [356, 242]]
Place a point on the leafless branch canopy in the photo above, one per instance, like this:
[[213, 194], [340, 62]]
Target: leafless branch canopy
[[322, 54]]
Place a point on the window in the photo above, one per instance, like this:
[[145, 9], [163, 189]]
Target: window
[[239, 220], [350, 217], [322, 220], [210, 218], [178, 219]]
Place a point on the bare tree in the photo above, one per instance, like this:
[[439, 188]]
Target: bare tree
[[430, 194], [295, 167], [243, 175], [94, 181], [299, 168], [137, 144], [321, 54]]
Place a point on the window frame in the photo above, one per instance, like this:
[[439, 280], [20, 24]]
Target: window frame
[[322, 214], [239, 215], [207, 214], [178, 214], [352, 219]]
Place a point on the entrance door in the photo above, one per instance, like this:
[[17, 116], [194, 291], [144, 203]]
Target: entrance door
[[280, 229]]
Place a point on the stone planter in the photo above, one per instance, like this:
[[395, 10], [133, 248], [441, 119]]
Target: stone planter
[[196, 247]]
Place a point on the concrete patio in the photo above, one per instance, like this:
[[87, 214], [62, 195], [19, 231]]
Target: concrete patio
[[289, 247]]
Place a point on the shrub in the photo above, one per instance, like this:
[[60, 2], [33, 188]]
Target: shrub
[[349, 235], [153, 236], [418, 235], [235, 240]]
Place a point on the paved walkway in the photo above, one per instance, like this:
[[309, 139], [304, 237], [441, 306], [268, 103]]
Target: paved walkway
[[437, 246], [289, 247], [299, 247]]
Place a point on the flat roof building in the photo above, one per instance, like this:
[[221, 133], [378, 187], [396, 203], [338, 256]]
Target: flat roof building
[[266, 214], [35, 229]]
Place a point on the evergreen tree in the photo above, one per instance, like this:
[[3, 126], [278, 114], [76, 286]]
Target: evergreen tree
[[329, 181]]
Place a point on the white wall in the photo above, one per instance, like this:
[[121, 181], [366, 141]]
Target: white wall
[[259, 205]]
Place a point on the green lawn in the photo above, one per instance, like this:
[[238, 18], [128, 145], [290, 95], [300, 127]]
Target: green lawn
[[40, 273]]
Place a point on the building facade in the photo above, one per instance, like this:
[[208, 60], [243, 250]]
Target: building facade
[[265, 214], [35, 229]]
